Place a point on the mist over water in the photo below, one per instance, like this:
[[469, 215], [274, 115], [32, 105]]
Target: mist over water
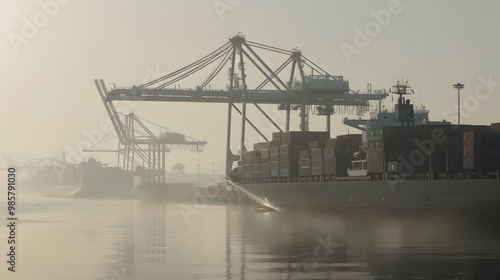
[[63, 238]]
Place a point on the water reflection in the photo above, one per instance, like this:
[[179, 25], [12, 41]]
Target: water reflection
[[233, 242]]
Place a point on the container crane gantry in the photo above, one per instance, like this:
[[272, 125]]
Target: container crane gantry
[[319, 89], [140, 146]]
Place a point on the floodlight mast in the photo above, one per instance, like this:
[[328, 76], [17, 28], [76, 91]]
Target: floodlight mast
[[458, 87]]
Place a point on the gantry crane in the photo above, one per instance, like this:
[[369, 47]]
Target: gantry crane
[[141, 149], [319, 89]]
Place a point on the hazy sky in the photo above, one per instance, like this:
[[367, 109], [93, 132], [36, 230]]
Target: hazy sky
[[50, 52]]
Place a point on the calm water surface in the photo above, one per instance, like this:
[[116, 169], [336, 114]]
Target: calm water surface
[[63, 238]]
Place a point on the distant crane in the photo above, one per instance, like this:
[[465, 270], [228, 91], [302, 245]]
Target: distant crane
[[140, 149]]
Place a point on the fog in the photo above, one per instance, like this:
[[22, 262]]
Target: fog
[[52, 50]]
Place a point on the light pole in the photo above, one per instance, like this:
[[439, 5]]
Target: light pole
[[185, 172], [213, 171], [458, 86], [199, 167], [198, 175]]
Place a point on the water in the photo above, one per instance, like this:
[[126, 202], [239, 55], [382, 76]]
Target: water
[[63, 238]]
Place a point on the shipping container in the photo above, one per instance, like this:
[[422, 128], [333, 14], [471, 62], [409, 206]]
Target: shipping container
[[469, 151], [305, 154], [256, 170], [329, 160], [330, 142], [329, 166], [265, 170], [275, 151], [453, 148], [290, 152], [284, 149], [277, 136], [247, 154], [303, 138], [265, 153], [247, 167], [495, 127], [305, 171], [275, 168], [329, 151], [289, 168], [375, 154], [329, 170], [275, 143], [376, 166], [261, 146], [437, 163], [341, 167], [349, 140], [317, 144], [313, 145], [252, 154], [265, 160], [325, 83], [317, 171], [284, 168], [317, 166], [247, 171], [284, 164], [315, 153], [284, 172]]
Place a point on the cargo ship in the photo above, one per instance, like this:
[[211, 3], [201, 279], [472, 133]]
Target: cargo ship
[[100, 180], [401, 160], [55, 180]]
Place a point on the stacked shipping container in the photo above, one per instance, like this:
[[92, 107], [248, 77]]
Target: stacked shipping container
[[432, 147], [300, 154], [292, 143], [424, 148], [481, 151]]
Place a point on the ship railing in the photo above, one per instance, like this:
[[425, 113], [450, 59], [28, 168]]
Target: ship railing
[[460, 175]]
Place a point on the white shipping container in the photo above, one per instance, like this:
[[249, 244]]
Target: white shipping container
[[327, 83]]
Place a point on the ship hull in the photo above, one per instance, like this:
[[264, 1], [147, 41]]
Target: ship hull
[[466, 195], [99, 181]]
